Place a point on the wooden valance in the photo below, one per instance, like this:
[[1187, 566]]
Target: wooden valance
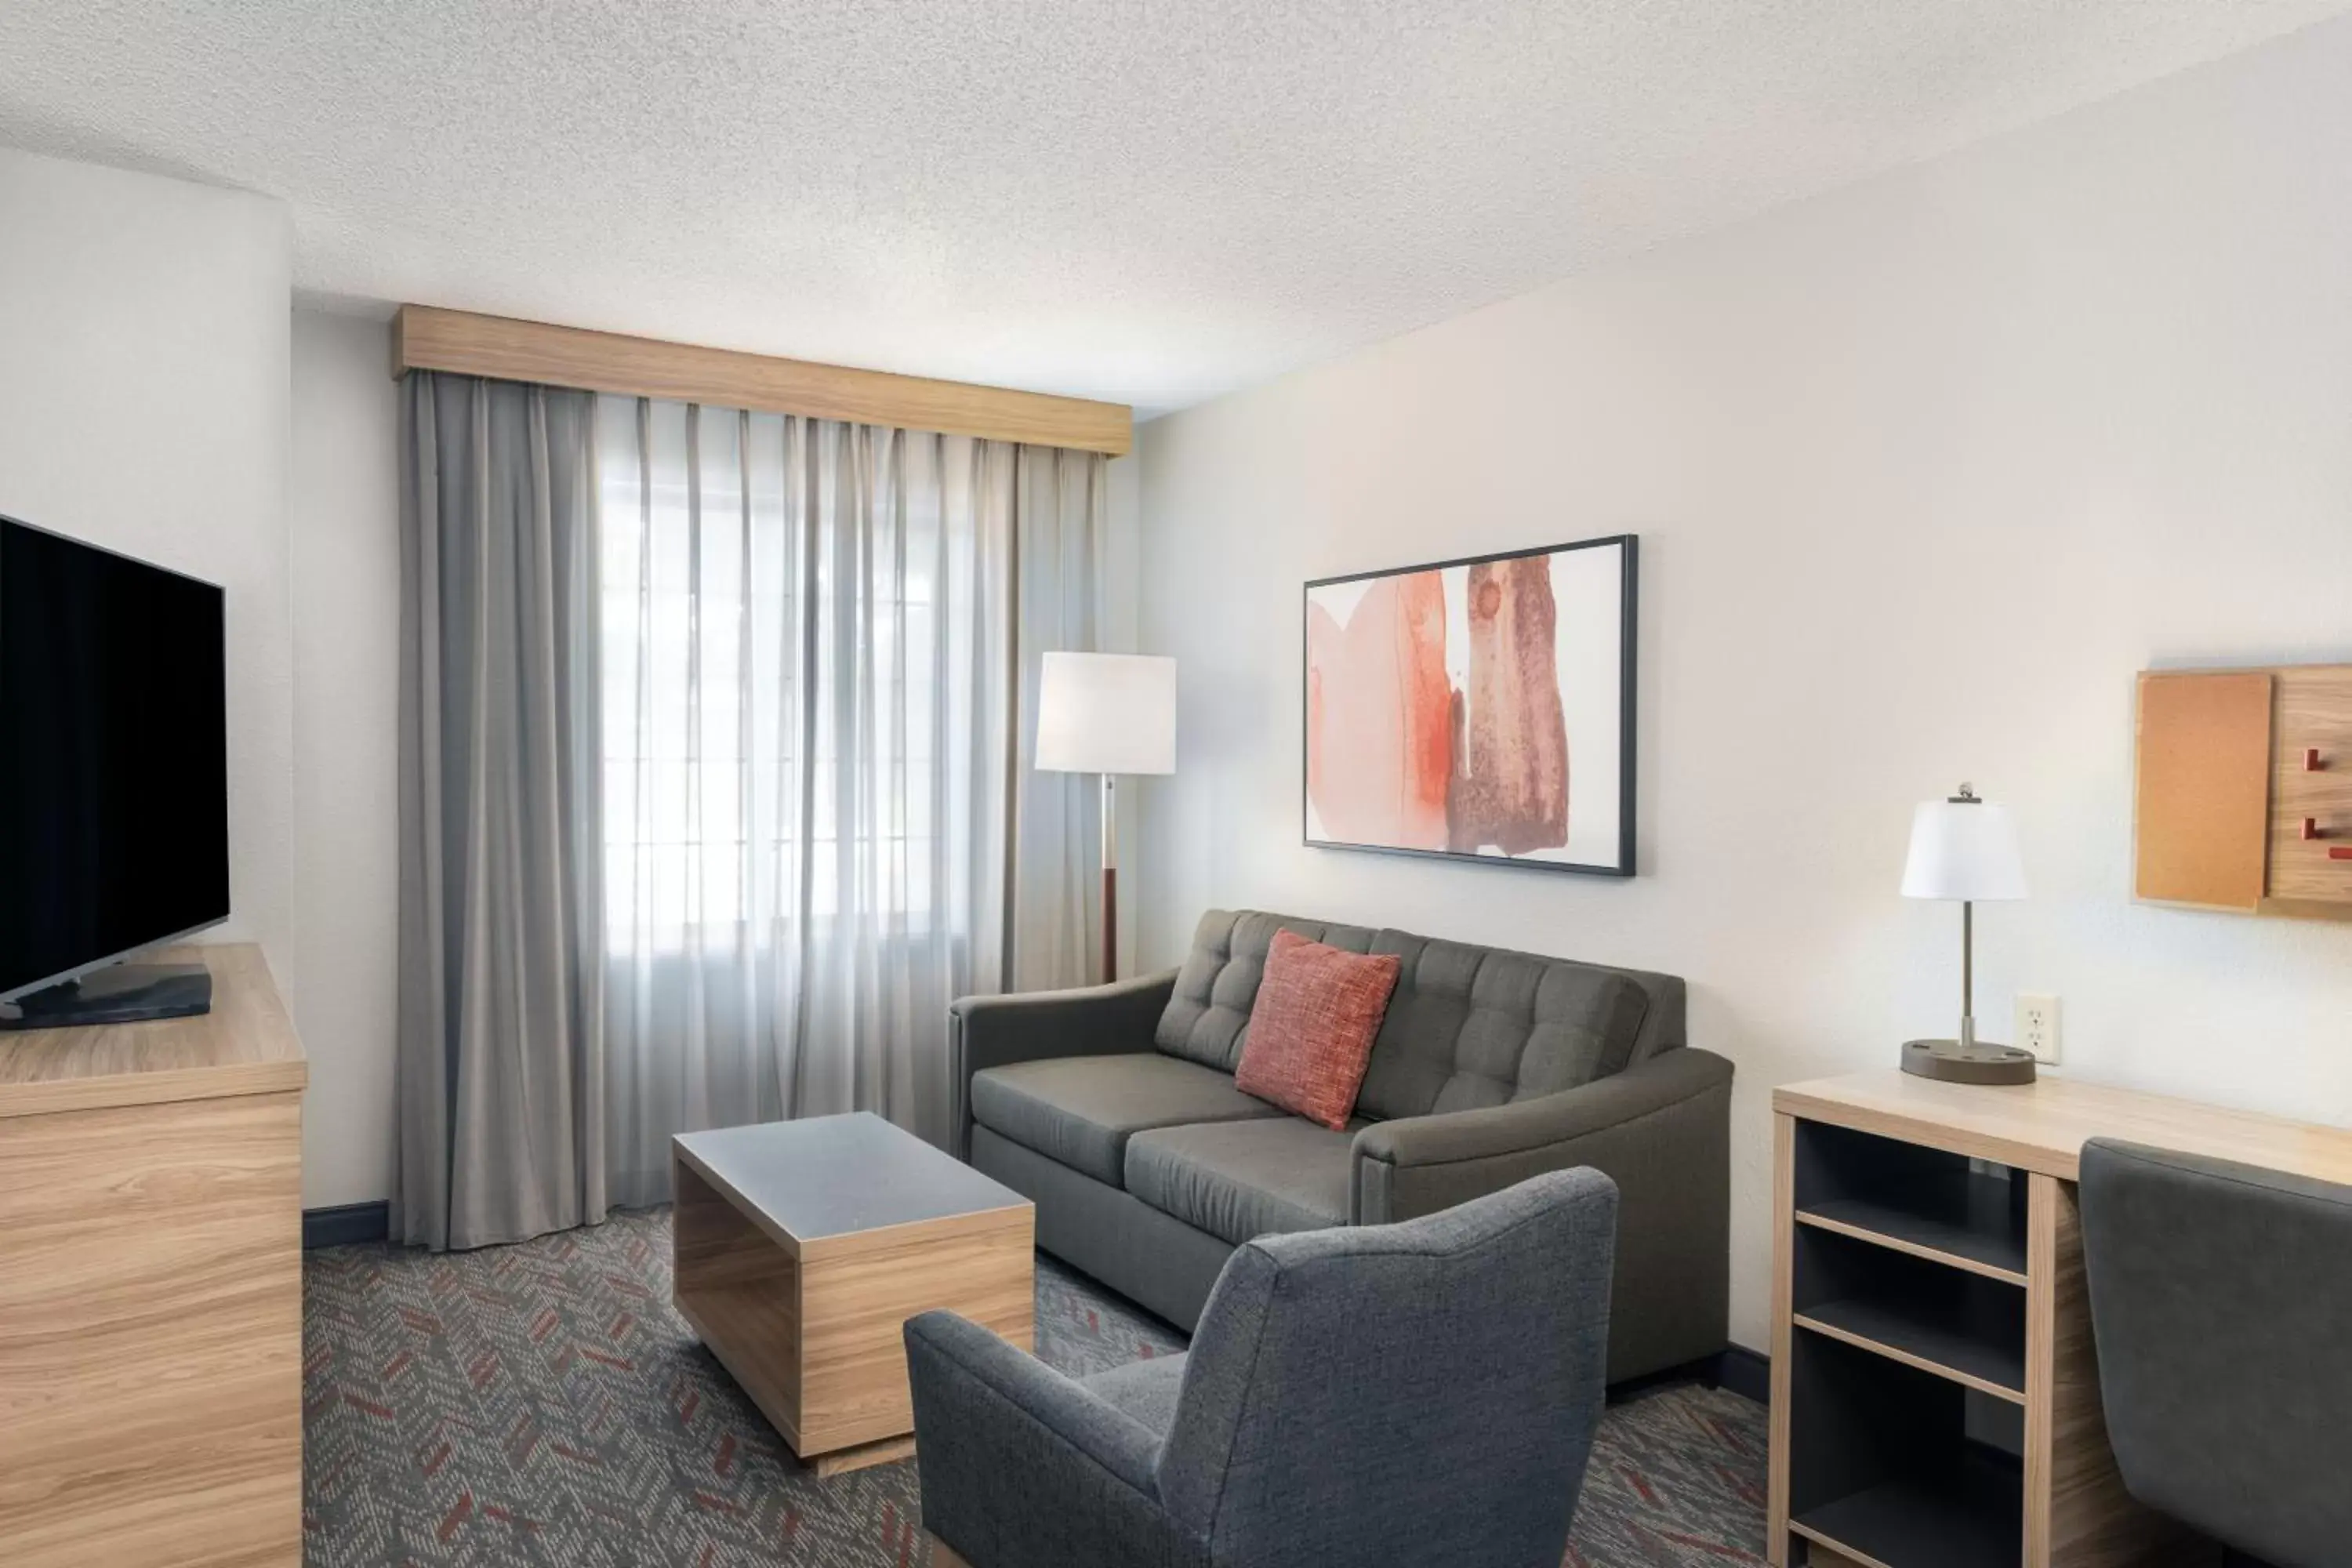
[[425, 337]]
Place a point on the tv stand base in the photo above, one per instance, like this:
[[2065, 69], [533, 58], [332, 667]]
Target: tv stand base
[[121, 993]]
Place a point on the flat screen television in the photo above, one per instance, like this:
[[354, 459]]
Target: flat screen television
[[113, 780]]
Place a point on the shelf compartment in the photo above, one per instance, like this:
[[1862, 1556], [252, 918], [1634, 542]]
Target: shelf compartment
[[1961, 1326], [1946, 1349], [1897, 1468], [1966, 1224], [1972, 1518], [1925, 1202]]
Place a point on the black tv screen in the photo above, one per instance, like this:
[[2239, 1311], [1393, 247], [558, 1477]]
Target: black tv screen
[[113, 757]]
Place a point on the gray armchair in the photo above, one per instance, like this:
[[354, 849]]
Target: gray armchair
[[1423, 1393], [2218, 1294]]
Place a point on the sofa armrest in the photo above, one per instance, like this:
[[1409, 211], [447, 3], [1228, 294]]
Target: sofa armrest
[[1032, 1025], [1537, 1127], [1661, 1129], [1021, 1465]]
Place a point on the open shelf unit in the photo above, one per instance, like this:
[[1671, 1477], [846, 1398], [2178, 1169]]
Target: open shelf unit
[[1906, 1281]]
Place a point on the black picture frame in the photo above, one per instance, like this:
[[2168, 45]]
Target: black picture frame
[[1629, 644]]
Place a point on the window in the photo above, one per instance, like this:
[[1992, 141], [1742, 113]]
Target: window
[[778, 707]]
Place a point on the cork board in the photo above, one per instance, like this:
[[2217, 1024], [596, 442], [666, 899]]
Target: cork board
[[2202, 790]]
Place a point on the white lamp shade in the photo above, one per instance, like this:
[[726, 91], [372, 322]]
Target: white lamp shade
[[1963, 849], [1106, 713]]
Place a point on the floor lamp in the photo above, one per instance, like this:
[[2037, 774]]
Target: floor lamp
[[1108, 713]]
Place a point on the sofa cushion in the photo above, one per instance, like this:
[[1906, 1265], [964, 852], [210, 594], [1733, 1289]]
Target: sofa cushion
[[1217, 986], [1466, 1026], [1080, 1109], [1239, 1179], [1473, 1027]]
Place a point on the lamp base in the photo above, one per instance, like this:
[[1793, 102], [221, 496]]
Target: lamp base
[[1979, 1063]]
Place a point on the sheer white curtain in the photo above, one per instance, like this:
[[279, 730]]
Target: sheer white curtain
[[818, 823]]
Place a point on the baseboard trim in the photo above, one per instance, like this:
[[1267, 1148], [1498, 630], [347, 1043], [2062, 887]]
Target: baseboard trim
[[1736, 1368], [1746, 1373], [346, 1225]]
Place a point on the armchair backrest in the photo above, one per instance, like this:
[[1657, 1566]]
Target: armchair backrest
[[1416, 1392], [2217, 1295]]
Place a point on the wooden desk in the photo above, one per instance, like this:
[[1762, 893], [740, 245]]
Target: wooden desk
[[1935, 1383], [150, 1285]]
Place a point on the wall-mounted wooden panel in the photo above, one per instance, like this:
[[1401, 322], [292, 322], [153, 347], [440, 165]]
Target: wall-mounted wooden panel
[[2310, 781], [2202, 787]]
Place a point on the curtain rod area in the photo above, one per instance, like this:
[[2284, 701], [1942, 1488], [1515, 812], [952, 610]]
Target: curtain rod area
[[425, 337]]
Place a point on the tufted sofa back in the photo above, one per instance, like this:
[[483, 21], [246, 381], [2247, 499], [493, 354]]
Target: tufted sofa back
[[1467, 1027]]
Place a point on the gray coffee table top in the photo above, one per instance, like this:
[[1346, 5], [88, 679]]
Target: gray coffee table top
[[832, 1176]]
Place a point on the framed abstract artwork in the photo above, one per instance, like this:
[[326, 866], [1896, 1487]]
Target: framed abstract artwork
[[1480, 709]]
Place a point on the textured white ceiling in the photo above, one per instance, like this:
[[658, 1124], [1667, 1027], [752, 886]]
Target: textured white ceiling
[[1143, 200]]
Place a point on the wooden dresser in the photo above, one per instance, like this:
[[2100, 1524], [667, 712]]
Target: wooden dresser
[[1935, 1381], [150, 1285]]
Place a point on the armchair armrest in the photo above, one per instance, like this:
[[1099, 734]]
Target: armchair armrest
[[1032, 1025], [1022, 1466], [1661, 1129]]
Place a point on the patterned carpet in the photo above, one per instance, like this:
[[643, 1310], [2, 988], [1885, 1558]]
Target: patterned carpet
[[541, 1404]]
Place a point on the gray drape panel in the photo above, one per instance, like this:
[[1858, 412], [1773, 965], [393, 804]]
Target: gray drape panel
[[501, 1078], [1063, 502]]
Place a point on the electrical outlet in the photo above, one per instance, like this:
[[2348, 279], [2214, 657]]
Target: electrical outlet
[[2037, 1026]]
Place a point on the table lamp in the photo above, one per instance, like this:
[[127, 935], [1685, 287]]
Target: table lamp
[[1106, 713], [1965, 849]]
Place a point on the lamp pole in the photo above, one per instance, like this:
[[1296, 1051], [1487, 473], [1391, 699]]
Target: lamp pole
[[1110, 878], [1968, 974]]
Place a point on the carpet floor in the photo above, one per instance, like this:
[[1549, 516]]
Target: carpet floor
[[541, 1404]]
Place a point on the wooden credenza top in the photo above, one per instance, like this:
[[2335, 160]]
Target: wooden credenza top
[[246, 1044], [2042, 1126]]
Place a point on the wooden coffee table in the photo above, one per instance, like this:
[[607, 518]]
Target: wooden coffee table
[[800, 1248]]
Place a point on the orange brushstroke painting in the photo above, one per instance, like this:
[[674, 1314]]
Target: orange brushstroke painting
[[1379, 716], [1397, 756]]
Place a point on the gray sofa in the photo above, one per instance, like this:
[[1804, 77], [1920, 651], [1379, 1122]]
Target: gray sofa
[[1113, 1108], [1422, 1393]]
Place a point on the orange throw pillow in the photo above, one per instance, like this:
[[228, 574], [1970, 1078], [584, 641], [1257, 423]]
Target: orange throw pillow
[[1310, 1031]]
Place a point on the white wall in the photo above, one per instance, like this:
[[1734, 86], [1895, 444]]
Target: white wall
[[1924, 471], [156, 394], [144, 407], [345, 527]]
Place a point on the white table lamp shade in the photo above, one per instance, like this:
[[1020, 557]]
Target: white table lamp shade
[[1963, 849], [1106, 713]]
